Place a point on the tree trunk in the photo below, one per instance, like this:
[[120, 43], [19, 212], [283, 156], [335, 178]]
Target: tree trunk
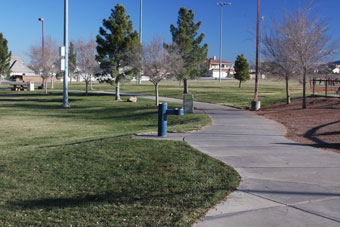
[[71, 79], [91, 88], [185, 84], [240, 84], [304, 105], [287, 89], [86, 87], [42, 83], [45, 86], [156, 94], [117, 91], [52, 82]]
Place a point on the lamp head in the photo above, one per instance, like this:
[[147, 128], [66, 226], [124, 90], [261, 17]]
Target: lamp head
[[41, 19], [223, 3]]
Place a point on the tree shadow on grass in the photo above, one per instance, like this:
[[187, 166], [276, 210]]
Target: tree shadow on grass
[[59, 100], [129, 197]]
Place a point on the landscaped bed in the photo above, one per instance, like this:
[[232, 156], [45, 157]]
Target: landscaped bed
[[83, 167], [317, 126]]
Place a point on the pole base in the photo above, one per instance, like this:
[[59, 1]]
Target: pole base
[[65, 106], [255, 105]]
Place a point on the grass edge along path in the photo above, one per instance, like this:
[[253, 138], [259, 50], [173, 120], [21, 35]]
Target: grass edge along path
[[105, 181]]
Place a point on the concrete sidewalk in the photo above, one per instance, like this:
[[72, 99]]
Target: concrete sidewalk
[[283, 183]]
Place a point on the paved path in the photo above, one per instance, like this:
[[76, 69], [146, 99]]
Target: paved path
[[283, 183]]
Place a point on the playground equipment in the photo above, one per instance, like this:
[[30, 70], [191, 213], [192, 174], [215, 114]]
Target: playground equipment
[[325, 85]]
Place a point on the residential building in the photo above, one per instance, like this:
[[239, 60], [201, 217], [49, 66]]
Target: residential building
[[214, 68]]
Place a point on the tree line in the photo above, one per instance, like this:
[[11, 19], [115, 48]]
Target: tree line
[[293, 47]]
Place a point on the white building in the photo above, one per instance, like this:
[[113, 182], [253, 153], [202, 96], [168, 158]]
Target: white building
[[337, 69], [20, 72], [214, 68], [18, 67]]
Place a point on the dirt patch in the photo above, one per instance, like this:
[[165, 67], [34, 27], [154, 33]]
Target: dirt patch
[[317, 126]]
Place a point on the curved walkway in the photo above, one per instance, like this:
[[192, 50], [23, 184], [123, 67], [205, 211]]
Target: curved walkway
[[283, 183]]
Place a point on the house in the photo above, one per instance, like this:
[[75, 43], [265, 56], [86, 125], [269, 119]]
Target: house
[[336, 69], [214, 68], [20, 72]]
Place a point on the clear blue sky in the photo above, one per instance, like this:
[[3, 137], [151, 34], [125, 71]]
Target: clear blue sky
[[20, 26]]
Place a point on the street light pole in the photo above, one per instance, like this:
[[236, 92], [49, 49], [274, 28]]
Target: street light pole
[[140, 21], [42, 47], [139, 80], [255, 104], [43, 39], [65, 77], [220, 67]]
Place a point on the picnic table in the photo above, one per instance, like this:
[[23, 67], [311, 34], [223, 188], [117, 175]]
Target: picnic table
[[18, 86]]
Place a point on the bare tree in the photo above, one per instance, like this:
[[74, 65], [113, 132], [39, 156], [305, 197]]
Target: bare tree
[[44, 65], [306, 41], [158, 64], [278, 56], [86, 60]]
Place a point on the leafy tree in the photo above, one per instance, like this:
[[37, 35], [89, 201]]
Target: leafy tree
[[188, 44], [5, 56], [241, 69], [115, 40], [72, 61]]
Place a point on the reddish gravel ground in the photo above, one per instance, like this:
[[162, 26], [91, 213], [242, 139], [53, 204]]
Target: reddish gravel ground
[[317, 126]]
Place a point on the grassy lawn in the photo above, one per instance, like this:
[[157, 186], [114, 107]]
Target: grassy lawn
[[83, 167], [226, 93]]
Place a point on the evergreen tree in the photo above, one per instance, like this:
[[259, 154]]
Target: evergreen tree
[[72, 59], [241, 69], [115, 41], [5, 56], [187, 42]]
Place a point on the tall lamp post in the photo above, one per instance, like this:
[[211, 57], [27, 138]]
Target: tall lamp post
[[256, 104], [220, 67], [43, 40], [140, 21], [42, 44], [139, 80], [65, 77]]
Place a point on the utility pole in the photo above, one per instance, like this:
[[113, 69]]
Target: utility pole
[[256, 104], [65, 78], [221, 17]]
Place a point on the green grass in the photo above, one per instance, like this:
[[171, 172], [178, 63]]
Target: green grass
[[83, 167], [227, 93]]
